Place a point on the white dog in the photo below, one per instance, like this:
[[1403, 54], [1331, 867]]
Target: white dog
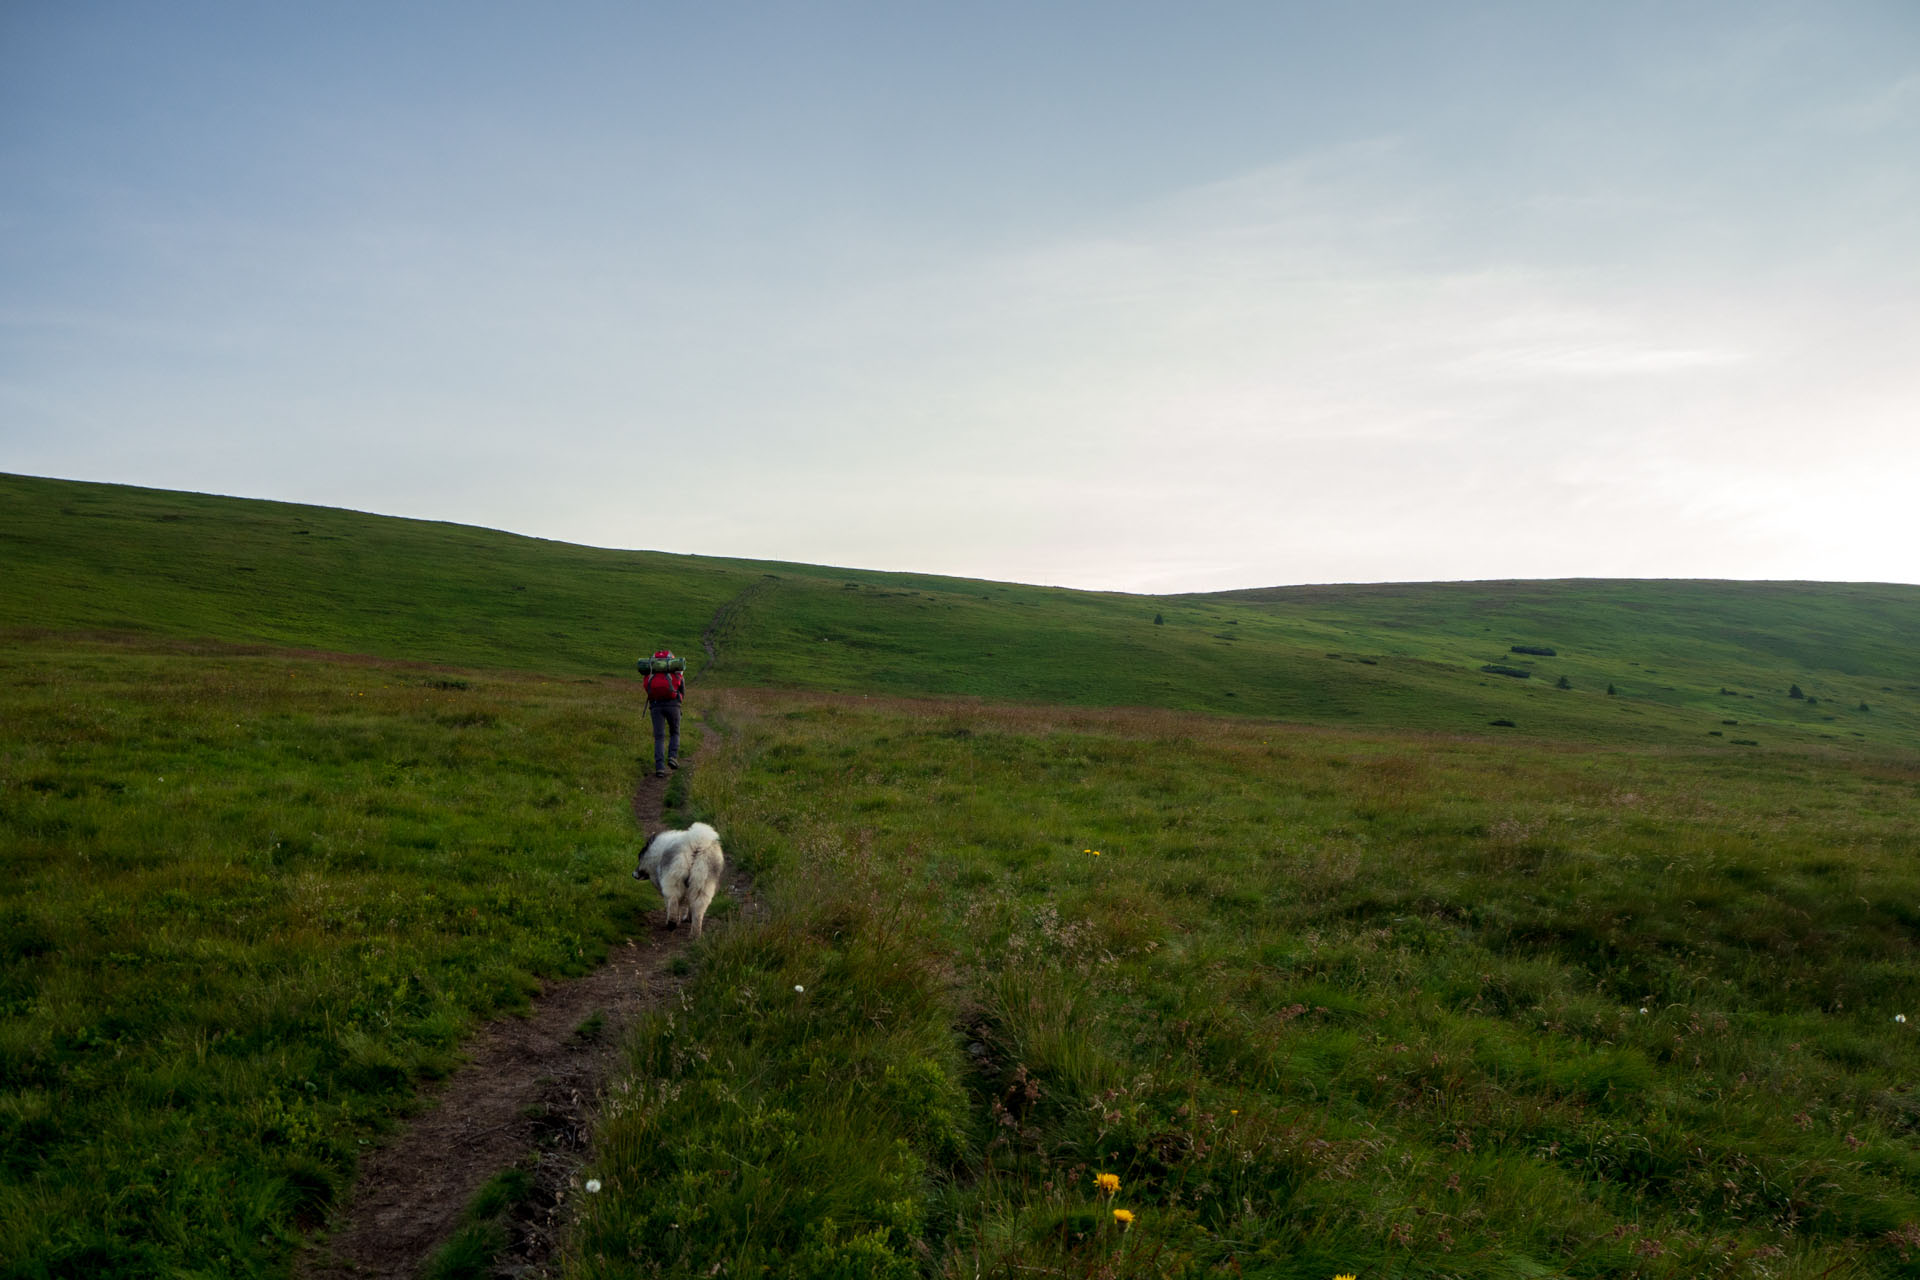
[[685, 867]]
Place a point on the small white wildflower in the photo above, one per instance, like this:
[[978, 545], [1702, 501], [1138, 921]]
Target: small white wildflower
[[1643, 1008], [593, 1186], [1899, 1017], [798, 987]]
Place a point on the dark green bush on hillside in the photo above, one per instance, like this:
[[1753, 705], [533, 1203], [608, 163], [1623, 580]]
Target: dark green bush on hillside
[[1494, 668], [1537, 650]]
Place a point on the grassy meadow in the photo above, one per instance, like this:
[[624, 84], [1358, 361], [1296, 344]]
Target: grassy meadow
[[1323, 1001], [251, 901], [1339, 952]]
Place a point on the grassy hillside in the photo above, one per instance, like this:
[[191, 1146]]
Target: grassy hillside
[[106, 559], [1685, 659], [290, 797]]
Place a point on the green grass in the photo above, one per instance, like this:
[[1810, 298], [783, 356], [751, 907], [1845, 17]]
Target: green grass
[[481, 1237], [1323, 1001], [98, 558], [85, 558], [249, 902], [291, 797]]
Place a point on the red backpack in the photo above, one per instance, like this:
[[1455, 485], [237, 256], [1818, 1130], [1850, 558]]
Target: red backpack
[[664, 686]]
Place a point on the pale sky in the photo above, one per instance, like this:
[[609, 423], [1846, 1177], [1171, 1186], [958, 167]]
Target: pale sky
[[1143, 296]]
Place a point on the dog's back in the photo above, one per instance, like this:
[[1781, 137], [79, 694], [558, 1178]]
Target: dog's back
[[686, 867]]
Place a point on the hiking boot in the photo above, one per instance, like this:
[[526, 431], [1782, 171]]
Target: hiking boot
[[659, 773], [673, 762]]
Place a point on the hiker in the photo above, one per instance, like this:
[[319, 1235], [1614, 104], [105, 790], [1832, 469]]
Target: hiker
[[665, 692]]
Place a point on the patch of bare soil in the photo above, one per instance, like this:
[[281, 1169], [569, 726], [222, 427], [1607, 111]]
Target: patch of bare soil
[[527, 1096]]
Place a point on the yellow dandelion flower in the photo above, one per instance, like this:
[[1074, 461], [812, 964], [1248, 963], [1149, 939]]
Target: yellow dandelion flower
[[1346, 1275], [1109, 1183], [1123, 1216]]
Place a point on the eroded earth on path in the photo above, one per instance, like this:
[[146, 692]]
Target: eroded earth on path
[[527, 1096]]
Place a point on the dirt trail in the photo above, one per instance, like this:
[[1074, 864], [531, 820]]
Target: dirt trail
[[726, 619], [530, 1089]]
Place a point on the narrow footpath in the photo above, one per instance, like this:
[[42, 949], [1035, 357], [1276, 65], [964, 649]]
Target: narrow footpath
[[527, 1095]]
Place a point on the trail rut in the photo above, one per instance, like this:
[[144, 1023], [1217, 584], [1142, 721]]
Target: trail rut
[[527, 1095], [726, 619]]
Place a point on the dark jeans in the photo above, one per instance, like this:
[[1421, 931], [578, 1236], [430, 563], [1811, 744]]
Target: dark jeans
[[666, 732]]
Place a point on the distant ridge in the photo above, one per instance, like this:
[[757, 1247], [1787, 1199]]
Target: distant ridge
[[95, 560]]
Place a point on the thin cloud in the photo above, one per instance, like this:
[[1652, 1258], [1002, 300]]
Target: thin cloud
[[1596, 360], [1621, 293]]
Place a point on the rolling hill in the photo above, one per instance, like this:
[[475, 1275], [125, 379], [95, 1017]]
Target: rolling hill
[[1680, 657], [1453, 929]]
